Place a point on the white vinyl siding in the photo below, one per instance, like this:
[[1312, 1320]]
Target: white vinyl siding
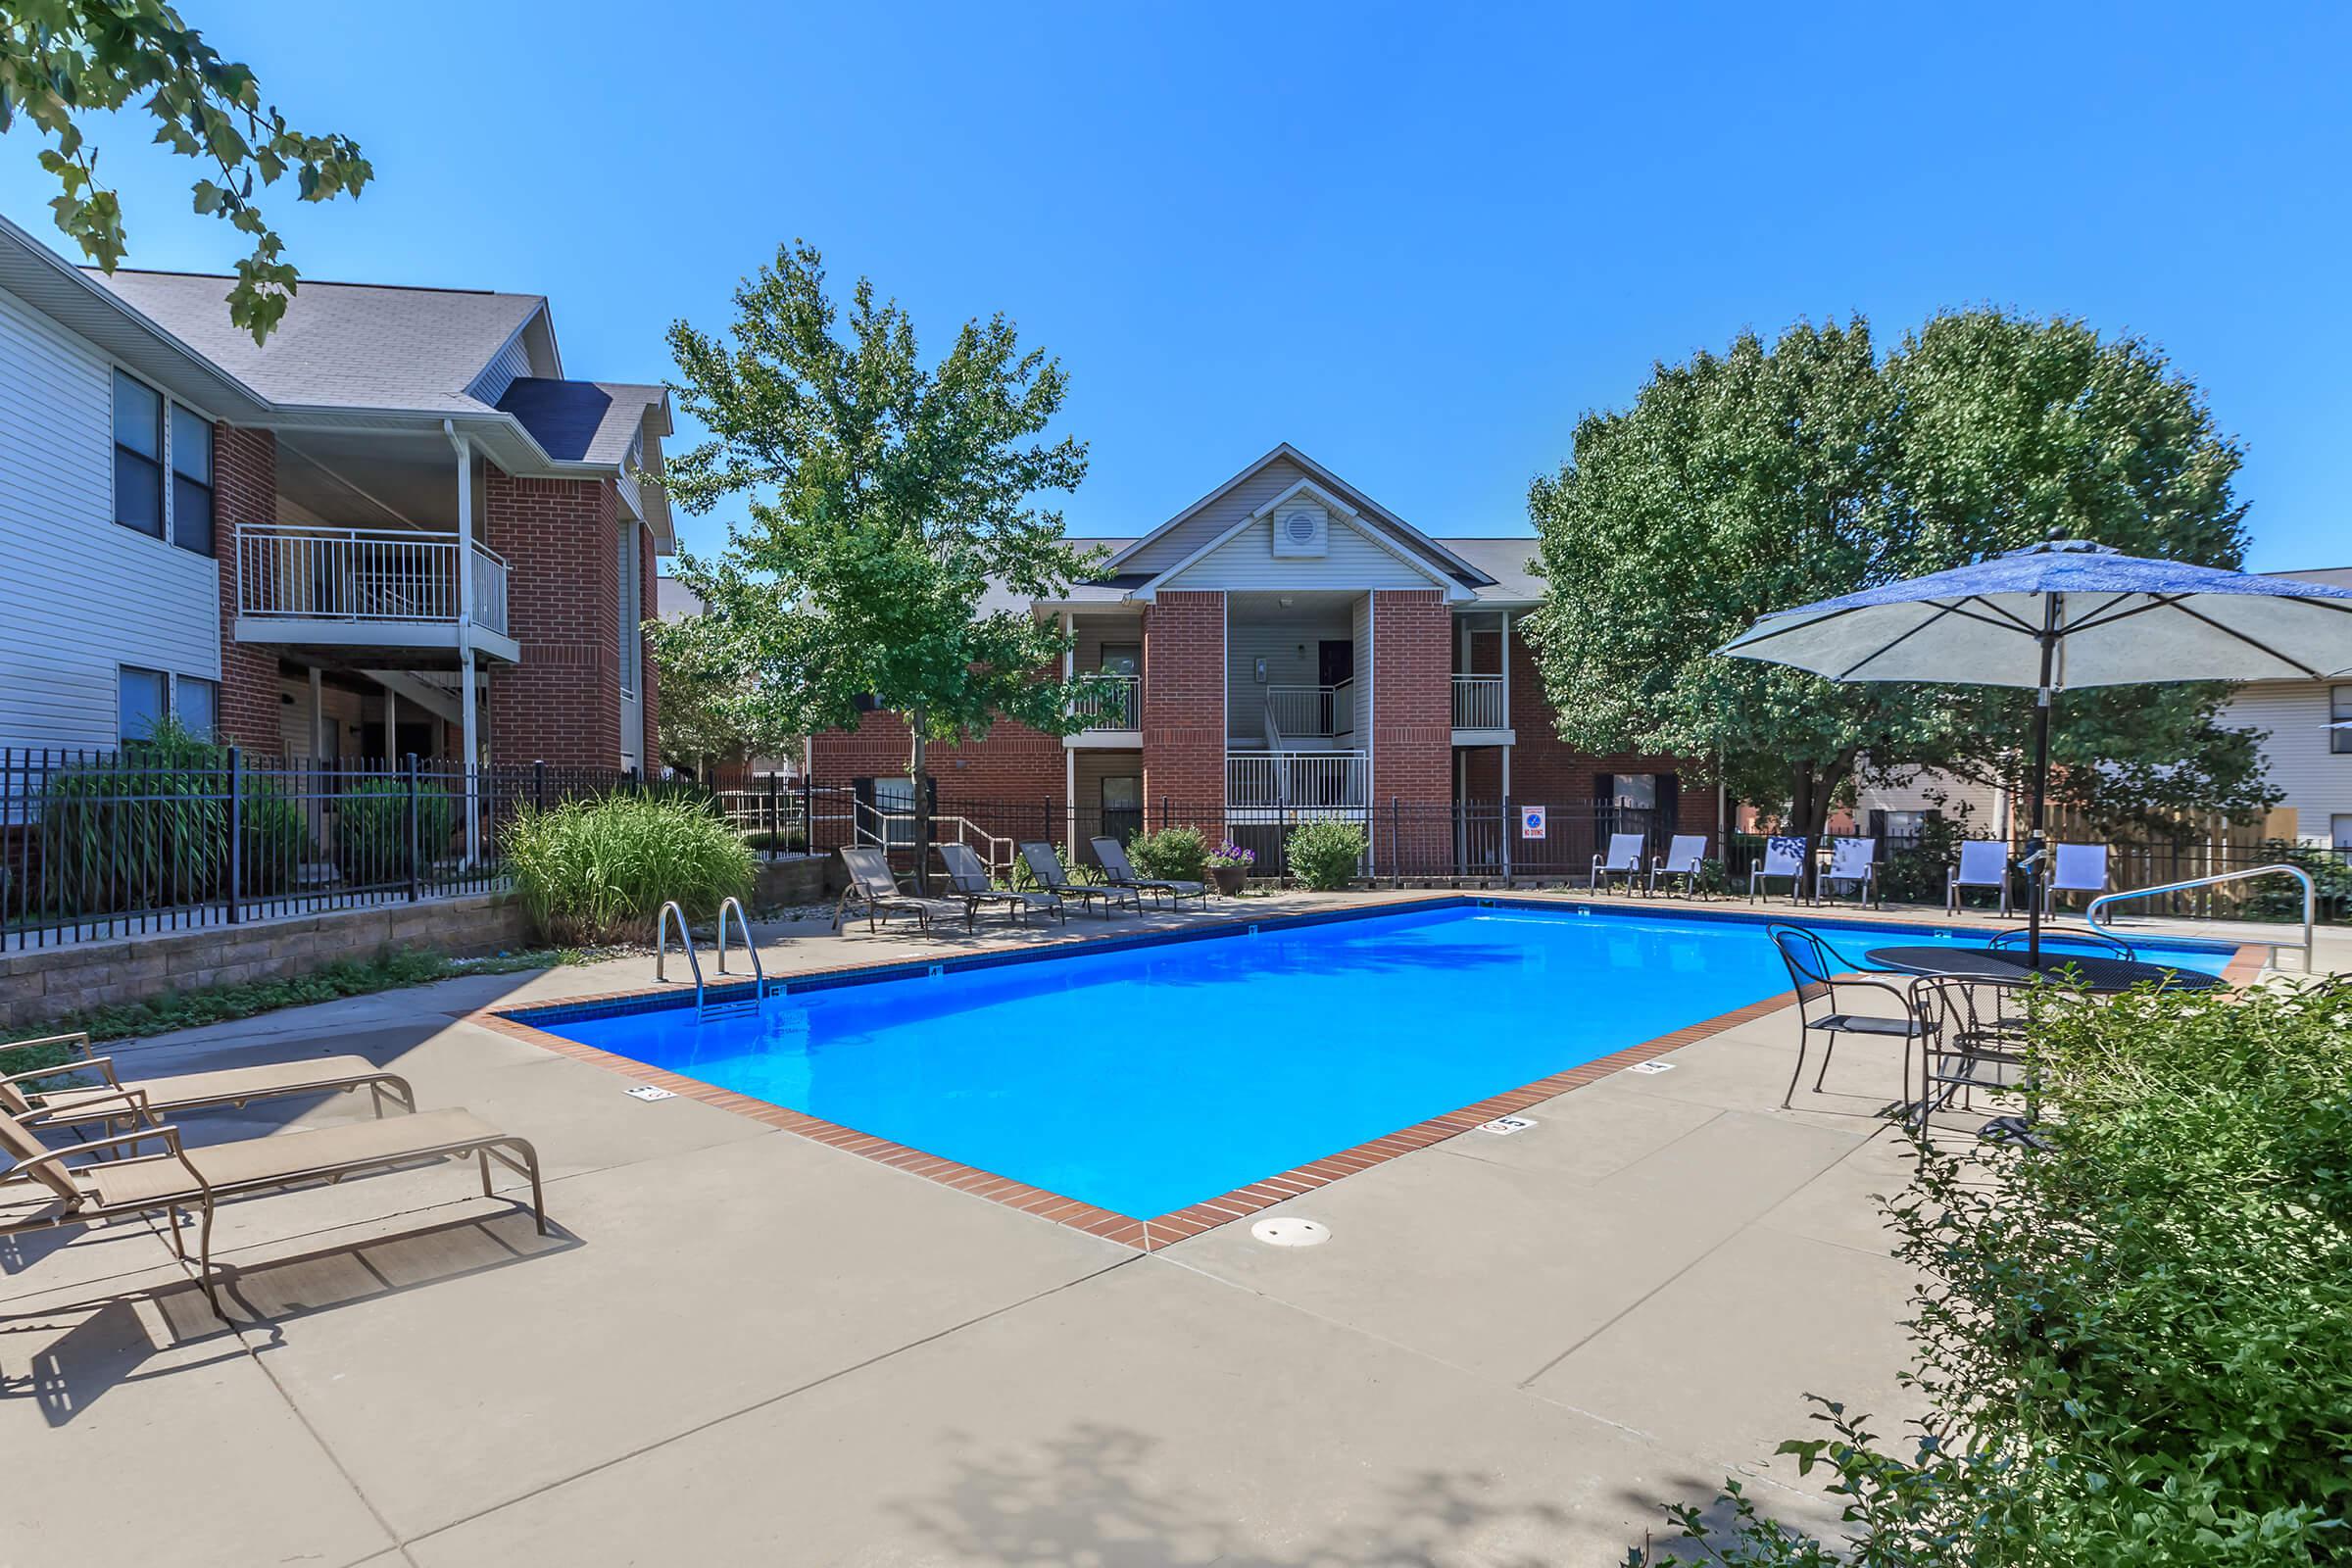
[[84, 596], [1247, 561], [1366, 635], [2316, 779], [629, 634], [1214, 518], [513, 361]]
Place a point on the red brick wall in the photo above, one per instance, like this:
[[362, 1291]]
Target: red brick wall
[[649, 684], [562, 702], [1184, 700], [244, 492], [1546, 769], [1012, 764], [1412, 696]]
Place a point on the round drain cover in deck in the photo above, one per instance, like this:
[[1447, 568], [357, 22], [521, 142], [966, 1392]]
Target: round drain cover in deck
[[1291, 1232]]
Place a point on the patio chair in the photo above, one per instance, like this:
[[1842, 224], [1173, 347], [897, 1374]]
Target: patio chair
[[1120, 872], [1983, 863], [1685, 857], [2074, 869], [875, 888], [1854, 861], [116, 1099], [1624, 859], [2085, 936], [1784, 857], [968, 880], [173, 1177], [1971, 1036], [1814, 971], [1045, 868]]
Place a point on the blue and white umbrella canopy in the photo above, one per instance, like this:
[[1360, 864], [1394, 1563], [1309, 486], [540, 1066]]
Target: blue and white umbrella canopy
[[2113, 619], [2065, 613]]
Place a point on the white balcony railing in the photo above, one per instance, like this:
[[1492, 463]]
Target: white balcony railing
[[1297, 781], [298, 571], [1110, 702], [1311, 712], [1478, 703]]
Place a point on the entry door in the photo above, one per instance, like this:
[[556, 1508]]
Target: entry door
[[1122, 805], [1335, 664]]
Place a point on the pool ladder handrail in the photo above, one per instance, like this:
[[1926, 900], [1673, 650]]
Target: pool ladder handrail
[[703, 1008], [2311, 902], [743, 924], [671, 910]]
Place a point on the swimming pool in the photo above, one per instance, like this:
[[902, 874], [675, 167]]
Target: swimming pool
[[1146, 1076]]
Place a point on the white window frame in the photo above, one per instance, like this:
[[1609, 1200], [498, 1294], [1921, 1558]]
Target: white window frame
[[163, 675], [212, 422], [2339, 711], [629, 609]]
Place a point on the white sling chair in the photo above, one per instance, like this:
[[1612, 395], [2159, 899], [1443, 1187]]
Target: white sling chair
[[1983, 863]]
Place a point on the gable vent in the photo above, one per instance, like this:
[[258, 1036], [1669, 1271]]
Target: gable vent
[[1301, 529]]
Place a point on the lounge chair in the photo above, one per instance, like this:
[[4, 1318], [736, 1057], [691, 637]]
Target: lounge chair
[[968, 880], [133, 1101], [1045, 868], [1120, 872], [1814, 969], [2074, 869], [1784, 857], [1685, 857], [1854, 861], [1623, 859], [1983, 863], [173, 1177], [874, 889]]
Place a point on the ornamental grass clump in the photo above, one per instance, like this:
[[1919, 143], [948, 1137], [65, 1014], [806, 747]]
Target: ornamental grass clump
[[2135, 1341], [598, 871]]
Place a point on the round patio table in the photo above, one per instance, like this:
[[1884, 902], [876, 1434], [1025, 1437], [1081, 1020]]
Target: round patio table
[[2100, 977]]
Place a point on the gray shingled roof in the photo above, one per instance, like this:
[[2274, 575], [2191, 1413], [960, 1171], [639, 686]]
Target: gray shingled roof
[[341, 345], [581, 421], [1506, 560]]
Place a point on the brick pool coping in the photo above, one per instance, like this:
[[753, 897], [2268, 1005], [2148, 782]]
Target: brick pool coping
[[1177, 1225]]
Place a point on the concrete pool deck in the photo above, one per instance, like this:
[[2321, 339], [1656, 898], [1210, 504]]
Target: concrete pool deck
[[742, 1346]]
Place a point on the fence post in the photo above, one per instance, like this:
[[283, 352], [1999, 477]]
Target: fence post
[[1395, 841], [1164, 813], [1045, 808], [236, 831], [539, 785], [415, 848], [1507, 824], [776, 817]]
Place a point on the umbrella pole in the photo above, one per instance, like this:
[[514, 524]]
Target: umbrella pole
[[2042, 779]]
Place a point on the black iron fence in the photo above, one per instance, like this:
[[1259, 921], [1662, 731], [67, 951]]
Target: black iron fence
[[179, 836]]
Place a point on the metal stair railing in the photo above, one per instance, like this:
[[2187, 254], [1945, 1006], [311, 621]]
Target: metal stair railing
[[2310, 899]]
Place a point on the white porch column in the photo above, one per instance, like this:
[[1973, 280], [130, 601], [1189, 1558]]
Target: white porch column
[[391, 728], [318, 718], [1069, 756], [465, 725], [468, 732]]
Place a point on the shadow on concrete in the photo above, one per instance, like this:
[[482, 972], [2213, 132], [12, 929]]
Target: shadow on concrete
[[1092, 1496], [72, 1353]]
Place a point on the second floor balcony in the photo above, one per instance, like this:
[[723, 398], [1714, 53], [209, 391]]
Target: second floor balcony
[[1110, 703], [387, 588]]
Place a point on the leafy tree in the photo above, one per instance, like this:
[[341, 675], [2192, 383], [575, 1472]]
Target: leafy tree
[[1765, 477], [884, 500], [700, 725], [64, 60]]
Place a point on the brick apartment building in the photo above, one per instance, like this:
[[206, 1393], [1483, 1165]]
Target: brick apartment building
[[395, 527], [1283, 648]]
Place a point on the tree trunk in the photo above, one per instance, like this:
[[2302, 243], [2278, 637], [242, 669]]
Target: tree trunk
[[1809, 795], [918, 771]]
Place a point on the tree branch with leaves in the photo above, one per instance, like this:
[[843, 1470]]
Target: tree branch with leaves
[[62, 62], [892, 547]]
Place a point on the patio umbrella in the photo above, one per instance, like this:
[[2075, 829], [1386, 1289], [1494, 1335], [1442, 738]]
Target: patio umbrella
[[2064, 613]]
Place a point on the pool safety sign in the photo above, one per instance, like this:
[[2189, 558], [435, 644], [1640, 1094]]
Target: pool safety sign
[[1530, 822]]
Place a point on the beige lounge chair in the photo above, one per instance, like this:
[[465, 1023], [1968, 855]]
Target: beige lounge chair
[[875, 888], [118, 1100], [1120, 872], [173, 1178], [1045, 870], [968, 880]]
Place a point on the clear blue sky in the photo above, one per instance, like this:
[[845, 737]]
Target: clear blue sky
[[1416, 243]]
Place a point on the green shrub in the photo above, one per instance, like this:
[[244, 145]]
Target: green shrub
[[1324, 854], [372, 843], [151, 828], [1172, 855], [597, 871], [2136, 1342]]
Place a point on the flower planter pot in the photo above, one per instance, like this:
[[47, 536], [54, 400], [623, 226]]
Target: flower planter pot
[[1228, 878]]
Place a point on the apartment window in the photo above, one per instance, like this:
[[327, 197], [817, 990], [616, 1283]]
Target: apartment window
[[191, 482], [138, 456], [198, 705], [631, 635], [2340, 719], [142, 701]]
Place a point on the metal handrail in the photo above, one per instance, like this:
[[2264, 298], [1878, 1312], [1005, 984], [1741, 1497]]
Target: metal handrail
[[670, 908], [744, 926], [2311, 901]]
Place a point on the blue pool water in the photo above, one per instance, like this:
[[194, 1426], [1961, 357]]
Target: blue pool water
[[1148, 1078]]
